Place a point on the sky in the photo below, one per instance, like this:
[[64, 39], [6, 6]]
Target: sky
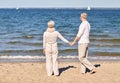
[[59, 3]]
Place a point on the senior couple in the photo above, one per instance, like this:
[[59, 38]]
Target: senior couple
[[50, 48]]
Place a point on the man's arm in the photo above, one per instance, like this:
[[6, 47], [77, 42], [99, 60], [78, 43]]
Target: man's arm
[[75, 40], [80, 33]]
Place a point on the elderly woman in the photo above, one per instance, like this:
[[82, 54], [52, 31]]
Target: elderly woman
[[50, 48]]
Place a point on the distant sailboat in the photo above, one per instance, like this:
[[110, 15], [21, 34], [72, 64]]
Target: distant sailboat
[[88, 8], [17, 8]]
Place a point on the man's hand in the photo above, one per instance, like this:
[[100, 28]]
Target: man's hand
[[70, 43], [73, 43]]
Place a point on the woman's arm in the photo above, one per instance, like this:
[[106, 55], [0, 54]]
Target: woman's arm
[[62, 38]]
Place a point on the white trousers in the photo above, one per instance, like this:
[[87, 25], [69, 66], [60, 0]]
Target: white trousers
[[51, 59], [83, 53]]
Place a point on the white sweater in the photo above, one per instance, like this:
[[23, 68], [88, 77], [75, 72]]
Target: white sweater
[[51, 38], [83, 33]]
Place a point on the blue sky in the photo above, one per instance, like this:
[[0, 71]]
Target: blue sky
[[59, 3]]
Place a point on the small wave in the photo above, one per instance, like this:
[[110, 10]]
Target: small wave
[[31, 44], [20, 51], [34, 57], [99, 35], [25, 43], [10, 25], [6, 17], [105, 58], [68, 50], [35, 44], [107, 54], [14, 42], [22, 57], [105, 45], [66, 58], [28, 37], [106, 40]]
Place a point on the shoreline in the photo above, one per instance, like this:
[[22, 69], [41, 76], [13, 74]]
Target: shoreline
[[67, 58], [60, 58], [43, 60]]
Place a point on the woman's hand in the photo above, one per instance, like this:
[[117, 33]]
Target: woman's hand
[[71, 43]]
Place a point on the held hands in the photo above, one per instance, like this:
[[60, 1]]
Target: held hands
[[72, 43]]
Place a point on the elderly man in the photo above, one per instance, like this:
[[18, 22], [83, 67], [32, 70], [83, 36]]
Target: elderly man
[[83, 38]]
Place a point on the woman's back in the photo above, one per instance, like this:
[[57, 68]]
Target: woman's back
[[51, 37]]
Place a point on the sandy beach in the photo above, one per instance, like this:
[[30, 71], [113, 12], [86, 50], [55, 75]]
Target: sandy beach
[[35, 72]]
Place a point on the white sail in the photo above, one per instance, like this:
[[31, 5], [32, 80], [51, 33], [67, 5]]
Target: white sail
[[17, 8], [88, 8]]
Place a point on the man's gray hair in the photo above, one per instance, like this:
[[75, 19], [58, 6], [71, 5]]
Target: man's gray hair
[[84, 15]]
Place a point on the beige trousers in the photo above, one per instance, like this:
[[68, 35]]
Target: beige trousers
[[51, 59], [83, 53]]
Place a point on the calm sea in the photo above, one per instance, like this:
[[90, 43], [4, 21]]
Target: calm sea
[[21, 32]]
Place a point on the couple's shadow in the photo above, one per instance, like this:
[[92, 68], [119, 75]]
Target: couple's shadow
[[65, 68], [61, 70], [96, 65]]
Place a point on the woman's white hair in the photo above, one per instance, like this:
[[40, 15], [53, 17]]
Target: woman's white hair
[[51, 24]]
